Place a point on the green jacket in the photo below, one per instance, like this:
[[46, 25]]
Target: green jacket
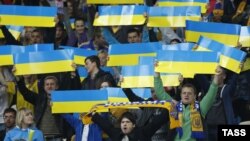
[[205, 105]]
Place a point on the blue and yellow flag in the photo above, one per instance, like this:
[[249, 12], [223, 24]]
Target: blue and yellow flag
[[27, 15], [80, 54], [225, 33], [137, 76], [5, 57], [77, 101], [128, 54], [120, 15], [246, 65], [14, 30], [146, 60], [245, 36], [83, 72], [230, 58], [117, 94], [115, 1], [43, 62], [172, 16], [187, 63], [180, 47], [72, 23], [170, 79], [201, 3]]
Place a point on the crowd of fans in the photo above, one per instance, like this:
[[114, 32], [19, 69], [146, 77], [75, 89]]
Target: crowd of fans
[[25, 101]]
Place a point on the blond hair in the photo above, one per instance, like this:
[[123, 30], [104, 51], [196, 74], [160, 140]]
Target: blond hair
[[20, 116]]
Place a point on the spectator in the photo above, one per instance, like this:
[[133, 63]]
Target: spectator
[[9, 117]]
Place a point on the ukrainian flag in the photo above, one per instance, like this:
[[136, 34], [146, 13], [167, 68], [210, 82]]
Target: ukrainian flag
[[201, 3], [245, 36], [83, 72], [14, 30], [230, 58], [180, 47], [5, 57], [77, 101], [169, 79], [187, 63], [43, 62], [27, 15], [39, 47], [128, 54], [72, 23], [120, 15], [117, 94], [172, 16], [80, 54], [137, 76], [225, 33], [246, 65], [115, 1], [146, 60]]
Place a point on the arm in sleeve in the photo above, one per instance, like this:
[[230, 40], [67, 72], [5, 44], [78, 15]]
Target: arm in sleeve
[[131, 95], [159, 90], [73, 121], [109, 37]]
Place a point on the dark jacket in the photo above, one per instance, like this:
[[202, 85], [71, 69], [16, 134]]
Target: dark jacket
[[93, 84], [138, 134]]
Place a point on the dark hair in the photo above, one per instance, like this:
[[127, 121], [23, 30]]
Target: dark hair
[[9, 110], [188, 85], [129, 116], [131, 30], [95, 59], [79, 19], [60, 24], [175, 40]]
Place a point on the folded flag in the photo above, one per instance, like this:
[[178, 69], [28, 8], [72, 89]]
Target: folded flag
[[201, 3], [180, 47], [80, 54], [115, 1], [83, 72], [117, 94], [170, 79], [245, 36], [77, 101], [14, 30], [230, 58], [172, 16], [43, 62], [187, 63], [225, 33], [137, 76], [27, 15], [128, 54], [120, 15]]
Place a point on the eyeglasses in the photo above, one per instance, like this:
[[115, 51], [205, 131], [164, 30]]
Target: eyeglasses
[[8, 117]]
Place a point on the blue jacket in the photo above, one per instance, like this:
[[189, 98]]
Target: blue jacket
[[95, 133], [17, 134]]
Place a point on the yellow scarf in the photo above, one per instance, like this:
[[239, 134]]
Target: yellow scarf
[[196, 123]]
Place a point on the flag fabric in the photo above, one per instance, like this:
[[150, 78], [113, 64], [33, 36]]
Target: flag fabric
[[43, 62], [201, 3], [77, 101], [172, 16], [128, 54], [180, 47], [187, 63], [137, 76], [146, 60], [120, 15], [246, 65], [27, 15], [72, 23], [115, 1], [170, 79], [6, 59], [14, 30], [230, 58], [117, 94], [80, 54], [83, 72], [225, 33], [245, 36]]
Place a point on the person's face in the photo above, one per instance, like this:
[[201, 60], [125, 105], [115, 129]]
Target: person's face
[[133, 37], [187, 95], [126, 126], [9, 120], [90, 66], [28, 31], [28, 118], [59, 32], [70, 8], [103, 58], [50, 85], [79, 26], [36, 38], [104, 85], [153, 94]]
